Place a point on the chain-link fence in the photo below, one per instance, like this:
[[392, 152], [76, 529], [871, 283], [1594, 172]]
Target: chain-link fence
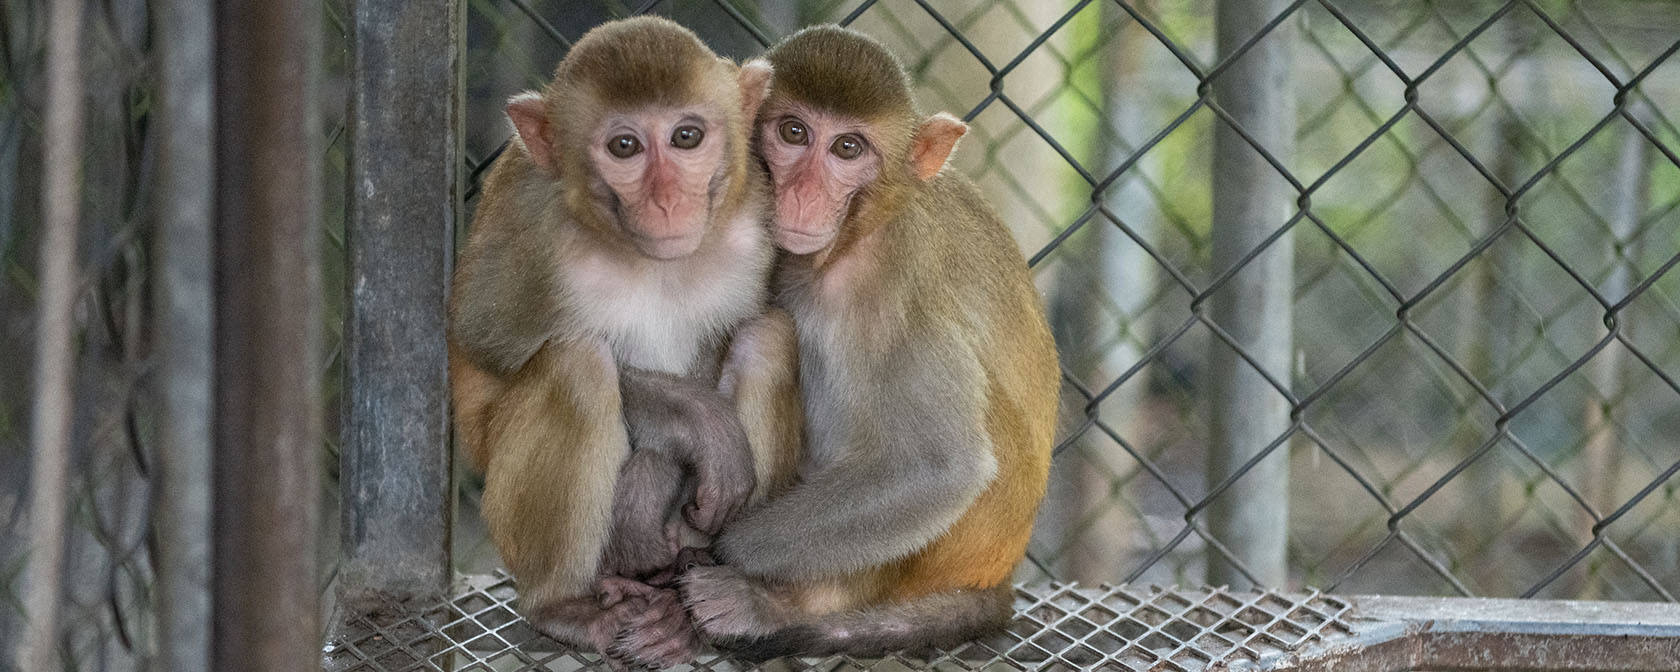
[[1472, 390], [106, 603], [1407, 325]]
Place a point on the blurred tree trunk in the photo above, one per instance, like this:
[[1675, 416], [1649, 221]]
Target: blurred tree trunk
[[1250, 202], [1488, 317], [1101, 294], [1601, 457], [20, 161]]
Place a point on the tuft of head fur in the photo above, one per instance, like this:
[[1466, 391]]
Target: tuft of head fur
[[646, 60], [842, 71], [643, 62]]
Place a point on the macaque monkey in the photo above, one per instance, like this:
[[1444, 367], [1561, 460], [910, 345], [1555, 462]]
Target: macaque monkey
[[612, 293], [928, 374]]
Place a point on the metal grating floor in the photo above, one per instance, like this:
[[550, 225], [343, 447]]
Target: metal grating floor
[[1057, 627], [1123, 628]]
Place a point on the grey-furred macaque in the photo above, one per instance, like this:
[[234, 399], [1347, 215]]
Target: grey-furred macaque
[[611, 293], [928, 374]]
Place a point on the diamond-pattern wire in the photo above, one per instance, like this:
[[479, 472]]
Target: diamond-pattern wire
[[1057, 627], [1513, 222], [1405, 326], [105, 606]]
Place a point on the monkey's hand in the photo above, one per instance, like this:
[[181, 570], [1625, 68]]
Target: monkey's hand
[[727, 606], [696, 426], [651, 630], [723, 464]]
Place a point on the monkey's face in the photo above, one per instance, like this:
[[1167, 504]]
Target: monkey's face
[[661, 165], [818, 162]]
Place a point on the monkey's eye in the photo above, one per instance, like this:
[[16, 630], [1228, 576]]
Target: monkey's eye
[[687, 137], [624, 146], [793, 132], [847, 146]]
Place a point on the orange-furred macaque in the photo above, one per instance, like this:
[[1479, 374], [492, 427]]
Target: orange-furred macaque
[[928, 375], [618, 256]]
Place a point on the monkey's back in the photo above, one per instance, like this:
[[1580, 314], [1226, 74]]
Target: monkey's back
[[993, 294]]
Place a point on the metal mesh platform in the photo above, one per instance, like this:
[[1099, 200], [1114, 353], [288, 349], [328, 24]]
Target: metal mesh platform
[[1065, 627], [1113, 628]]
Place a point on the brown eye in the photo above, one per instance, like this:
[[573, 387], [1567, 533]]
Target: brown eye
[[624, 146], [793, 132], [847, 146], [687, 137]]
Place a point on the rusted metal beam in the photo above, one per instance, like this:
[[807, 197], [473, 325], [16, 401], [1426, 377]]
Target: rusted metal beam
[[405, 203], [268, 322], [1502, 634]]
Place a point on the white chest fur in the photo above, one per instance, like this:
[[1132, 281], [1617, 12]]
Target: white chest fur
[[662, 315]]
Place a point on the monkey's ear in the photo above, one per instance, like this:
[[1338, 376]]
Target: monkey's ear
[[530, 117], [754, 80], [935, 138]]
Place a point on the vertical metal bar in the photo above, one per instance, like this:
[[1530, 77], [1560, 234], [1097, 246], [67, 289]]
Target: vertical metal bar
[[405, 197], [268, 321], [181, 499], [1250, 202], [54, 359]]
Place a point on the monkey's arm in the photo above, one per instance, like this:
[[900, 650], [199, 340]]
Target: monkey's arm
[[917, 460], [503, 309], [761, 373], [695, 425]]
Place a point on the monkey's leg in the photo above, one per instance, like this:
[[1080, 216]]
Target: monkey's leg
[[472, 391], [648, 628], [648, 490], [693, 424], [754, 621], [555, 442], [761, 373]]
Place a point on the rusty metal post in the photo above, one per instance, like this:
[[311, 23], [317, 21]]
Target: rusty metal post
[[268, 321], [1250, 202], [181, 500], [404, 203]]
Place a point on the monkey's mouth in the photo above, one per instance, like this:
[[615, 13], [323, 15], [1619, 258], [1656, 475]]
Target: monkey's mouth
[[668, 247], [801, 242]]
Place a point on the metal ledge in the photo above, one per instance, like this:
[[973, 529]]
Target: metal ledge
[[1133, 628]]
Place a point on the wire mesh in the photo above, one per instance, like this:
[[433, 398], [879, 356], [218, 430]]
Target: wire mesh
[[105, 603], [1482, 387], [1483, 227], [1059, 627]]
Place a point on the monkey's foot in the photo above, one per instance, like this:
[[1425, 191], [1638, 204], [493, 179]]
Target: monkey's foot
[[654, 631], [691, 557], [726, 605], [611, 590], [688, 558]]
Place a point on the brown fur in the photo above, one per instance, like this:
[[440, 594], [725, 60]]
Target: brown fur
[[541, 523], [944, 238], [921, 277], [537, 334], [765, 363]]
